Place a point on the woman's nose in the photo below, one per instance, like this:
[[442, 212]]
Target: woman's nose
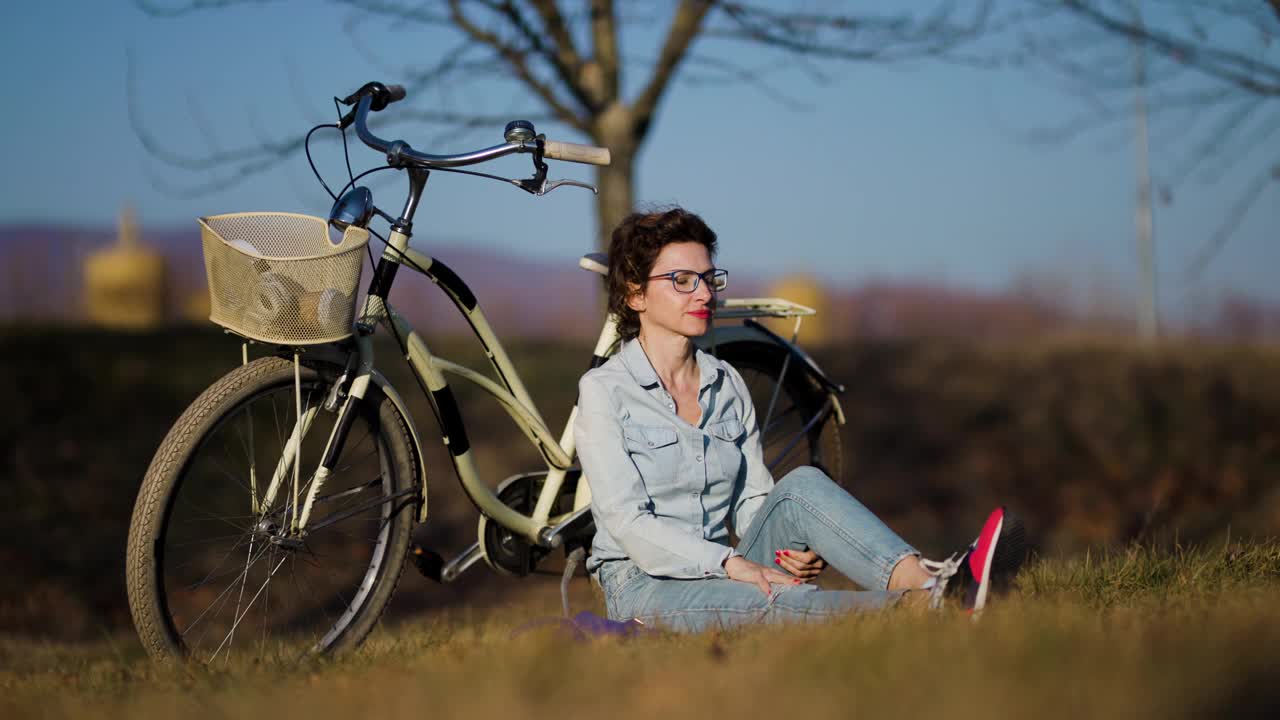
[[704, 291]]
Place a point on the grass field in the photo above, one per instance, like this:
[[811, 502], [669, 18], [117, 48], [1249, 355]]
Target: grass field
[[1139, 633]]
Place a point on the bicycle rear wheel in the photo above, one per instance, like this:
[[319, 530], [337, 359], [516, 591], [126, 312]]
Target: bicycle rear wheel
[[802, 428], [213, 571]]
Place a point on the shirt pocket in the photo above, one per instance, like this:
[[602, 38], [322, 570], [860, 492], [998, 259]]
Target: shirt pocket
[[656, 452], [727, 436]]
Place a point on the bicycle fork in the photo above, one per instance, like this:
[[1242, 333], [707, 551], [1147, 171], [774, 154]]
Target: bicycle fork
[[298, 510]]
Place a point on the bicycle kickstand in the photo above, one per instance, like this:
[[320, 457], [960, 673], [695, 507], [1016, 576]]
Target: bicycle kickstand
[[570, 565]]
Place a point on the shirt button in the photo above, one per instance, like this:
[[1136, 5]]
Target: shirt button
[[650, 443], [697, 458]]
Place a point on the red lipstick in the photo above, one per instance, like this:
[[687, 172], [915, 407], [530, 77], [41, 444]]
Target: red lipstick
[[704, 314]]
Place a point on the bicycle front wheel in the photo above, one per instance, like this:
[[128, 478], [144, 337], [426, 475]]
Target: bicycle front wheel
[[216, 566]]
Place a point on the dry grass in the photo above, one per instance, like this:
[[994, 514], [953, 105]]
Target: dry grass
[[1140, 633]]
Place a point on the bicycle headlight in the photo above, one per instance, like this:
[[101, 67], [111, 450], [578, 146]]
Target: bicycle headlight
[[355, 207]]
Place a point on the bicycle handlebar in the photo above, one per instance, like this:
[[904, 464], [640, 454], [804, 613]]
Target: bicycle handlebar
[[395, 93], [573, 152], [376, 96]]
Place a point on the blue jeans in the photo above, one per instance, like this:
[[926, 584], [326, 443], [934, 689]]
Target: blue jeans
[[804, 511]]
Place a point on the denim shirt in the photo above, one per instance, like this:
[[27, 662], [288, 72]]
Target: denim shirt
[[661, 489]]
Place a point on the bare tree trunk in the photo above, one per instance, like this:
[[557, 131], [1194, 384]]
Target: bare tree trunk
[[615, 129], [616, 198]]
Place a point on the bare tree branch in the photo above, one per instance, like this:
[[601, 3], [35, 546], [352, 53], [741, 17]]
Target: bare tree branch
[[196, 162], [1230, 66], [1214, 140], [855, 38], [201, 121], [469, 121], [604, 36], [516, 60], [539, 48], [1232, 221], [684, 28], [458, 125], [418, 13], [728, 73], [564, 56], [1214, 82], [170, 10]]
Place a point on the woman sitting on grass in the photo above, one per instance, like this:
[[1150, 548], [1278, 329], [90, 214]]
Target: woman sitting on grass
[[667, 438]]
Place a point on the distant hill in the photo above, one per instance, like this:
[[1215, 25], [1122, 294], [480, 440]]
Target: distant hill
[[41, 278]]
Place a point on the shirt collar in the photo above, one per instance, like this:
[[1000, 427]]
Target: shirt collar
[[637, 363]]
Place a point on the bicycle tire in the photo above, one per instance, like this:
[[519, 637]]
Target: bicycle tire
[[159, 599], [801, 395]]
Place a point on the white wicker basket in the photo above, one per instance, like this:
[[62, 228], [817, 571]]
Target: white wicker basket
[[278, 278]]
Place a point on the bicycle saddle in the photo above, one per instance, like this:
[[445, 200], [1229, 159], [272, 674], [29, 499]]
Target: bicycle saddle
[[595, 262]]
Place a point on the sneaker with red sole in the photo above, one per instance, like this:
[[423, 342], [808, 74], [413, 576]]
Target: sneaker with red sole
[[991, 561]]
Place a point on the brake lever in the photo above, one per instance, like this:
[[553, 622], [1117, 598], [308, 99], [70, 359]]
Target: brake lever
[[549, 186], [542, 186], [538, 184]]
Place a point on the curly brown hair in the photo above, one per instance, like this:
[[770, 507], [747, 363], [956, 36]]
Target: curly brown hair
[[634, 248]]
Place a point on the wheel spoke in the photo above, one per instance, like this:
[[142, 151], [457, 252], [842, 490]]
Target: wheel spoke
[[779, 418], [216, 568], [222, 593], [238, 618], [800, 430], [216, 538]]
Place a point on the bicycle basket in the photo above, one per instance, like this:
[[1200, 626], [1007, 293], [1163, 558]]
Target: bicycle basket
[[277, 277]]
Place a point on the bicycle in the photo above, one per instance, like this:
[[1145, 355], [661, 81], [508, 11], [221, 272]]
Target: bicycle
[[220, 557]]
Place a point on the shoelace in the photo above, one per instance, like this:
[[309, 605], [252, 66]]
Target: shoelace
[[942, 572]]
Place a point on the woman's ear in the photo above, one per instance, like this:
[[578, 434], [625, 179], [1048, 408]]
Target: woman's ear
[[635, 297]]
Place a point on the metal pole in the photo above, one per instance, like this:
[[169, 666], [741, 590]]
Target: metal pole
[[1148, 318]]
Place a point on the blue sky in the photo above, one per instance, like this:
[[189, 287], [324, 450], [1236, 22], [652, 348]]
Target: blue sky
[[892, 172]]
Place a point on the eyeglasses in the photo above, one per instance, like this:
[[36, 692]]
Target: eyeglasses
[[686, 281]]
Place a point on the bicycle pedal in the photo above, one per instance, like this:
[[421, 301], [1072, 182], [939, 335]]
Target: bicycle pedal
[[429, 562]]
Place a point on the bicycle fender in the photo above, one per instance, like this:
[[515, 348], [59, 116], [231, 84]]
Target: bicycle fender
[[384, 386], [750, 330]]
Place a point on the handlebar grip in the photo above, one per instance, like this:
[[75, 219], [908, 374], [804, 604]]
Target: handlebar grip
[[573, 152], [395, 93]]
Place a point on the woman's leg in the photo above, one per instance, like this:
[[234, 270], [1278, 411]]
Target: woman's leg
[[807, 510], [697, 605]]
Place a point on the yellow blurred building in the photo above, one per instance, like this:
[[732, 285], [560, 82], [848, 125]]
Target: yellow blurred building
[[197, 306], [124, 285], [804, 289]]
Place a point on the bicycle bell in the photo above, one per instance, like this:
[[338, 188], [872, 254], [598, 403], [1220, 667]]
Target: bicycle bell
[[355, 207], [519, 131]]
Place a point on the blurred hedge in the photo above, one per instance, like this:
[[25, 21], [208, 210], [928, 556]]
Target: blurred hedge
[[1094, 443]]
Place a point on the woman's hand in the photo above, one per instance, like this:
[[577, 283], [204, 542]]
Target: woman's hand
[[804, 564], [743, 570]]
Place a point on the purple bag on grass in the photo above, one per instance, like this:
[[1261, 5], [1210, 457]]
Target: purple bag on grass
[[586, 625]]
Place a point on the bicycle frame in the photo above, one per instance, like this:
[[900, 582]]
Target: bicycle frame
[[510, 392], [540, 526]]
